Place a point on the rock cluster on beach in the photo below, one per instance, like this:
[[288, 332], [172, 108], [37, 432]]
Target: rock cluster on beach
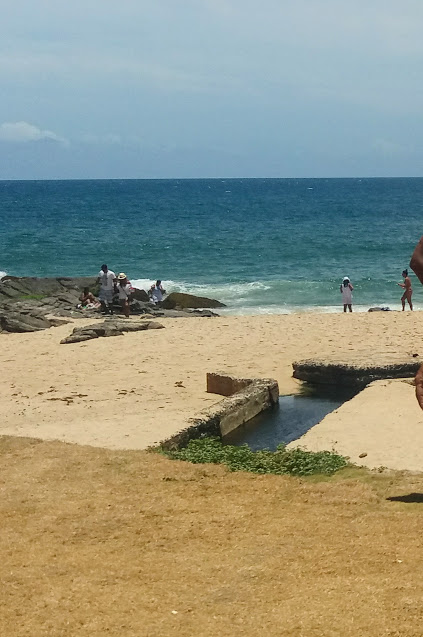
[[109, 328], [30, 304]]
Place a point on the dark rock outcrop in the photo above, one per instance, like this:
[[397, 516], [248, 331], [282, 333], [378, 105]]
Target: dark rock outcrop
[[27, 303], [144, 307], [140, 295], [12, 287], [206, 313], [18, 322], [109, 328], [355, 374], [184, 301]]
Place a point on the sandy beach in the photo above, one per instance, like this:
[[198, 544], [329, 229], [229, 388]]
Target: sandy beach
[[132, 391]]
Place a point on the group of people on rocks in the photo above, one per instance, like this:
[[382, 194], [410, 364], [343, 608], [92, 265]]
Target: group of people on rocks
[[112, 285], [346, 289]]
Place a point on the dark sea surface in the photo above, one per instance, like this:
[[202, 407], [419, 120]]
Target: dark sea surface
[[259, 245]]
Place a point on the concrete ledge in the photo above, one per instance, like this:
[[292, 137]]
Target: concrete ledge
[[227, 385], [355, 374], [245, 398], [382, 426]]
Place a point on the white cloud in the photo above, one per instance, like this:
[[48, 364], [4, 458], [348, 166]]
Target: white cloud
[[22, 132]]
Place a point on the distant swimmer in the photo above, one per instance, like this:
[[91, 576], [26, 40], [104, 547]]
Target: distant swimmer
[[408, 290], [346, 290]]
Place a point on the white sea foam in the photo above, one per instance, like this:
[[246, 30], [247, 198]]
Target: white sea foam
[[2, 274], [232, 293], [261, 310], [261, 298]]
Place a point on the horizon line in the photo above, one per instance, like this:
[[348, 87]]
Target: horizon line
[[5, 179]]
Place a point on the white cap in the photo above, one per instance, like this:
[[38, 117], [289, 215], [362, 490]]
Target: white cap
[[346, 278]]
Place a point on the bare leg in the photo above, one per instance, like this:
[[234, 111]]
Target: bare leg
[[350, 307], [419, 386], [403, 302], [416, 262], [345, 308]]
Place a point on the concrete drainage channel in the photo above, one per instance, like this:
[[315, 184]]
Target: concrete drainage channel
[[291, 419], [252, 411], [244, 399]]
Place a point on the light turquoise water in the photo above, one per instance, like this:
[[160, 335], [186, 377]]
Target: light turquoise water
[[259, 245]]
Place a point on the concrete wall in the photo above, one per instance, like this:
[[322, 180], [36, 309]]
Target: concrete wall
[[226, 385], [245, 398]]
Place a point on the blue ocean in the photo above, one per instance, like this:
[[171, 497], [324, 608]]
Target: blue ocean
[[258, 245]]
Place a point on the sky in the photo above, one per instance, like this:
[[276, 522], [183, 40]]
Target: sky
[[210, 88]]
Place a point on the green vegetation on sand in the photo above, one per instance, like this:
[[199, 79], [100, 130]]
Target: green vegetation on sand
[[283, 461]]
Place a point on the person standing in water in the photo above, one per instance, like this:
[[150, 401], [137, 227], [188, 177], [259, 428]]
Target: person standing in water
[[408, 291], [346, 290]]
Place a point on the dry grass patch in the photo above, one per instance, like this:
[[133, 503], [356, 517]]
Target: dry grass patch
[[97, 542]]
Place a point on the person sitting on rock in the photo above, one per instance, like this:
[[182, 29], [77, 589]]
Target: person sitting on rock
[[87, 299], [125, 290], [156, 292]]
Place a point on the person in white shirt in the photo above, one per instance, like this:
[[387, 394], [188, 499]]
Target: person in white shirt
[[156, 292], [107, 280], [125, 290], [346, 290]]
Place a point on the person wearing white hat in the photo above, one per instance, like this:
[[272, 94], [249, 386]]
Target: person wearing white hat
[[346, 290], [125, 291]]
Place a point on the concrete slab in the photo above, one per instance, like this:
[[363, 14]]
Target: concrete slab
[[383, 421], [357, 371]]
